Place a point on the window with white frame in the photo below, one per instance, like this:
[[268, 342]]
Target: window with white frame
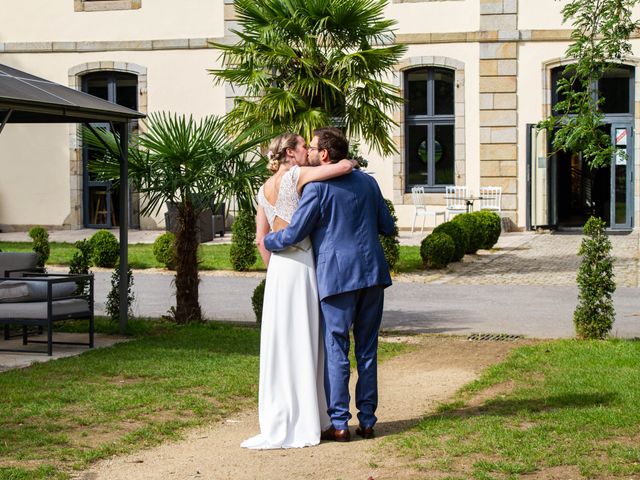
[[429, 127]]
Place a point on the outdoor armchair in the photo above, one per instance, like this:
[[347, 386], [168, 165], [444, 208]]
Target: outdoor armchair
[[16, 264], [38, 299]]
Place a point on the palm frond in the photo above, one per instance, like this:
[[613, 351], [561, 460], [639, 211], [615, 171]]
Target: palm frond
[[303, 62], [178, 158]]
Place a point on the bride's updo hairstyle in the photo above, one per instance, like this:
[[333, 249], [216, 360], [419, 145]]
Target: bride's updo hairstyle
[[277, 153]]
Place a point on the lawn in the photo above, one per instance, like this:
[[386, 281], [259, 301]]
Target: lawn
[[59, 416], [557, 410], [212, 257]]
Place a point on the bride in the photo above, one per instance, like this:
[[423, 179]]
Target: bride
[[292, 407]]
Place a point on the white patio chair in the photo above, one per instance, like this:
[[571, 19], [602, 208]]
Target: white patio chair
[[455, 197], [420, 204], [490, 199]]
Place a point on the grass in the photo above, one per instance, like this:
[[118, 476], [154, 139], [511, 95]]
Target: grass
[[569, 405], [410, 259], [63, 415], [212, 257]]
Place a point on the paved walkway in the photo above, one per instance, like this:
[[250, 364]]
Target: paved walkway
[[535, 259], [11, 360], [524, 286], [523, 258]]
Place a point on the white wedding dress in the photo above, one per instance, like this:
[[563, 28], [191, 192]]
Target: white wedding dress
[[292, 406]]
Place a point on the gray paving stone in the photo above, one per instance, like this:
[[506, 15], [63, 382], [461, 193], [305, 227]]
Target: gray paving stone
[[524, 286]]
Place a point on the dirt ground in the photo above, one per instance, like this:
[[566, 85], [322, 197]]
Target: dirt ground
[[410, 385]]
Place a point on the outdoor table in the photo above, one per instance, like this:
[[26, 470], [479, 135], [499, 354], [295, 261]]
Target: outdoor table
[[468, 199]]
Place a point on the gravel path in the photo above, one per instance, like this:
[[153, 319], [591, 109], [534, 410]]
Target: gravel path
[[411, 385]]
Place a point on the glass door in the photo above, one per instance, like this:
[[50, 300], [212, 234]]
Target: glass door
[[541, 205], [100, 199], [622, 176]]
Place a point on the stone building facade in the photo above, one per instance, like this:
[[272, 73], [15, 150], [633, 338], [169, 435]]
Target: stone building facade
[[477, 76]]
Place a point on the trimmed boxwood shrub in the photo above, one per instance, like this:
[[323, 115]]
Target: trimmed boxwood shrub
[[243, 250], [164, 250], [257, 299], [105, 249], [471, 225], [595, 314], [112, 306], [490, 226], [458, 235], [80, 263], [41, 246], [390, 243], [437, 250]]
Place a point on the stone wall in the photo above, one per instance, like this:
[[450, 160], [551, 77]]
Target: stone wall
[[499, 102]]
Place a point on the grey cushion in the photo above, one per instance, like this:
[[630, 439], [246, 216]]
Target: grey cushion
[[13, 291], [38, 310], [38, 289], [17, 261]]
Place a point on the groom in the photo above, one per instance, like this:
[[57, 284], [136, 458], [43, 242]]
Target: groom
[[344, 217]]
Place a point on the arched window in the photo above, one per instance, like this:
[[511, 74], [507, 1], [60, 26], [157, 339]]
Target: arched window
[[615, 87], [429, 127]]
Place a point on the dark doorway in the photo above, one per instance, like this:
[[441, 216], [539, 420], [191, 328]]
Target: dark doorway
[[576, 191], [581, 191], [100, 199]]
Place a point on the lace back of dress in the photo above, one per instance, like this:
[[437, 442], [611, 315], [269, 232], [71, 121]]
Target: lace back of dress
[[288, 195], [287, 200]]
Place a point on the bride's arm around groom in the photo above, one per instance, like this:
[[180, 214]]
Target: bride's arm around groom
[[344, 217]]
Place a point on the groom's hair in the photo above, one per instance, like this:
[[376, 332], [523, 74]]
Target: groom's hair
[[333, 141]]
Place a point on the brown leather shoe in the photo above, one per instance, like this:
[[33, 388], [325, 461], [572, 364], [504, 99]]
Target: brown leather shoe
[[365, 432], [336, 435]]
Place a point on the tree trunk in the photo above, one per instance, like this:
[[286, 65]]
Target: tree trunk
[[187, 302]]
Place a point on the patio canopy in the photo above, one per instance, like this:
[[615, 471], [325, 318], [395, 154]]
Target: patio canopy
[[25, 98]]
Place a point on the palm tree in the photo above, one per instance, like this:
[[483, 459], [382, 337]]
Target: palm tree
[[311, 63], [191, 165]]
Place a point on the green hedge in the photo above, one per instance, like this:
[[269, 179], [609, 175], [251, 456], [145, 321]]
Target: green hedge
[[459, 237], [257, 299], [243, 250], [390, 243], [471, 225], [164, 250], [437, 250], [105, 249], [41, 245], [491, 226]]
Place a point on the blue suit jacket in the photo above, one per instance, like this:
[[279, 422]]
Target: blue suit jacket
[[343, 216]]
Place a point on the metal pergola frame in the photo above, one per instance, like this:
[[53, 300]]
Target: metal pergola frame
[[25, 98]]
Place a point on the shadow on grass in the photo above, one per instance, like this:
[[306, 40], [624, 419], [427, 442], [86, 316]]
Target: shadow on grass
[[505, 407], [384, 429], [218, 337], [499, 408]]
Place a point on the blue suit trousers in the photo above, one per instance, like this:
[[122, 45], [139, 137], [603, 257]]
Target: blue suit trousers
[[362, 310]]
